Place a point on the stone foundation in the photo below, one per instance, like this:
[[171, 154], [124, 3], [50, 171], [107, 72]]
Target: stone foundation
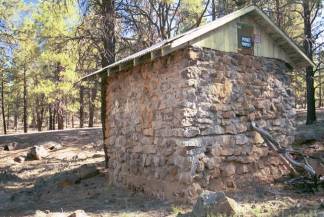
[[181, 123]]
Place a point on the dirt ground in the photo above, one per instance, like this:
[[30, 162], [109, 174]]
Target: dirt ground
[[45, 185]]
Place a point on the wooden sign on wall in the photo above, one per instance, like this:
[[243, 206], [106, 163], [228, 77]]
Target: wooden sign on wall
[[245, 34]]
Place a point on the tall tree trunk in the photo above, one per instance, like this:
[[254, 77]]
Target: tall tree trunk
[[60, 116], [72, 120], [33, 121], [92, 97], [25, 103], [107, 58], [319, 89], [66, 119], [278, 13], [213, 2], [16, 114], [38, 121], [39, 118], [81, 111], [308, 46], [311, 110], [305, 100], [8, 116], [54, 118], [15, 121], [50, 118], [222, 8], [2, 106]]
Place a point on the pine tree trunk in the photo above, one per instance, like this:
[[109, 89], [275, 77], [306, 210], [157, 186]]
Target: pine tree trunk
[[305, 100], [311, 110], [8, 116], [50, 118], [16, 114], [25, 103], [3, 107], [60, 116], [81, 111], [54, 119], [15, 122], [107, 58], [308, 47], [320, 89], [66, 120], [213, 9], [33, 121], [92, 97], [38, 115], [278, 14], [39, 120]]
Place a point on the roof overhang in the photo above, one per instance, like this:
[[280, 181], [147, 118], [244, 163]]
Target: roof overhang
[[297, 56]]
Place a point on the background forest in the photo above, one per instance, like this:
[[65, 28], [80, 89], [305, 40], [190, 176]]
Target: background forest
[[46, 46]]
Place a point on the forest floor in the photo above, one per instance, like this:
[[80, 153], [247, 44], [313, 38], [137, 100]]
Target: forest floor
[[34, 188]]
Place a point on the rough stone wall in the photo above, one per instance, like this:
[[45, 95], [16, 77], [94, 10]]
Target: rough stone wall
[[181, 123]]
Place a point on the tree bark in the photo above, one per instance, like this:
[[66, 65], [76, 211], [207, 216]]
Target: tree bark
[[15, 121], [308, 46], [319, 89], [66, 119], [33, 121], [8, 116], [39, 112], [278, 14], [25, 103], [2, 106], [81, 111], [54, 118], [92, 97], [16, 114], [311, 112], [213, 2], [107, 58], [50, 118], [39, 120], [60, 116]]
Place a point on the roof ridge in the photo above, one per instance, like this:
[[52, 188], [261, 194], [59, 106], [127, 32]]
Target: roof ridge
[[183, 39]]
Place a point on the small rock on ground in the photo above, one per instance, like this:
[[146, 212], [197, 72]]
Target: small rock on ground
[[19, 159], [10, 146], [88, 171], [40, 213], [79, 213], [51, 145], [213, 204], [37, 153]]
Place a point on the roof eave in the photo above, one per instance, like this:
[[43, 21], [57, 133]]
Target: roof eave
[[307, 61], [181, 41]]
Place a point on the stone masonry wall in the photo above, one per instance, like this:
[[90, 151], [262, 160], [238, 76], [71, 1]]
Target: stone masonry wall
[[181, 123]]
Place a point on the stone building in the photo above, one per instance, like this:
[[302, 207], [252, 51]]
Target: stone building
[[179, 113]]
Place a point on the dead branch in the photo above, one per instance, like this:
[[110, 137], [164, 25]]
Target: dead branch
[[285, 153]]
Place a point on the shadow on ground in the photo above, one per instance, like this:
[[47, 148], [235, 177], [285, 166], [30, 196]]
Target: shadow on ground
[[71, 136], [67, 192], [54, 183]]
